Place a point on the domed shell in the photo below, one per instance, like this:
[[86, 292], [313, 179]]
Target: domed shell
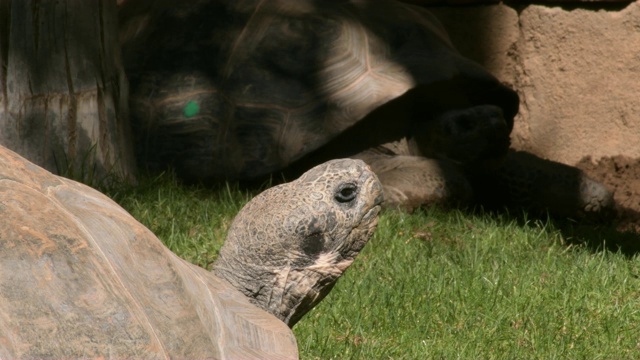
[[240, 89], [80, 277]]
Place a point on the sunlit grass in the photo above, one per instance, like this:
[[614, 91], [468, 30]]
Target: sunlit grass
[[436, 284], [449, 285]]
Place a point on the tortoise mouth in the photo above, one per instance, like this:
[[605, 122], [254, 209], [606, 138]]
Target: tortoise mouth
[[371, 217], [359, 236]]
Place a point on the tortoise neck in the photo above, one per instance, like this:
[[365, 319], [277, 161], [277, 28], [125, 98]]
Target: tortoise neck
[[285, 292], [254, 282]]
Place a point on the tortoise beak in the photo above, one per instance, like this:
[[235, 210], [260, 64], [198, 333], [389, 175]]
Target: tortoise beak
[[376, 188]]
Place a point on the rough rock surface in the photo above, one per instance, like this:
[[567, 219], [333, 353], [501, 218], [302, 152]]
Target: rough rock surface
[[582, 98]]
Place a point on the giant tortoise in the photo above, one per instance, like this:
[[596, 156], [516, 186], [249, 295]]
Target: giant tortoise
[[79, 277], [245, 89]]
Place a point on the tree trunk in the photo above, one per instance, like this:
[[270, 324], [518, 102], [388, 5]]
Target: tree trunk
[[63, 91]]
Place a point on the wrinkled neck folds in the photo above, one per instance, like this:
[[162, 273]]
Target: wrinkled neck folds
[[287, 292]]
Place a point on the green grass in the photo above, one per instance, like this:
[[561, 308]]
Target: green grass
[[440, 284]]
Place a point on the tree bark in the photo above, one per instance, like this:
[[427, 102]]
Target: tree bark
[[63, 91]]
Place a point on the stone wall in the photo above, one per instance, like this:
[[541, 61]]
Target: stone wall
[[577, 69]]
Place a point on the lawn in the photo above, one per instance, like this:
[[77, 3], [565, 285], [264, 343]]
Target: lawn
[[440, 284]]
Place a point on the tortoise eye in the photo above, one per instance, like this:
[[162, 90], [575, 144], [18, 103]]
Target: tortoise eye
[[346, 192]]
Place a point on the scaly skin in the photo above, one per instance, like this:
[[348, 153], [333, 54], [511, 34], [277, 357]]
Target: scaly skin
[[289, 245]]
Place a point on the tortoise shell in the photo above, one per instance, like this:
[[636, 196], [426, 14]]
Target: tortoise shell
[[80, 277], [240, 89]]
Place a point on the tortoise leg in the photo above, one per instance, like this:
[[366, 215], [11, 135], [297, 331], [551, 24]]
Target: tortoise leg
[[409, 182], [526, 181]]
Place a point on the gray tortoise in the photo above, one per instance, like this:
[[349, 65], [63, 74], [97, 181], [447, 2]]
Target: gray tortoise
[[79, 277], [245, 89]]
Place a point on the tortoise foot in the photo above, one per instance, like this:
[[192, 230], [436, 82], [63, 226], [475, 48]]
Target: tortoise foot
[[595, 197]]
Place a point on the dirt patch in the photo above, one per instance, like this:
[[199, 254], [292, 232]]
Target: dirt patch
[[622, 176]]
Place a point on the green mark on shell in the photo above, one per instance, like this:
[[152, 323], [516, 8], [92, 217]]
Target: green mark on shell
[[191, 109]]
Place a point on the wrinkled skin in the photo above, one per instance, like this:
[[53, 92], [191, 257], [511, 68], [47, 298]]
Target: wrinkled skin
[[286, 249]]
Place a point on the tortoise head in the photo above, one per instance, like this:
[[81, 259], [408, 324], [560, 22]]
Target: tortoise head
[[465, 136], [288, 246]]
